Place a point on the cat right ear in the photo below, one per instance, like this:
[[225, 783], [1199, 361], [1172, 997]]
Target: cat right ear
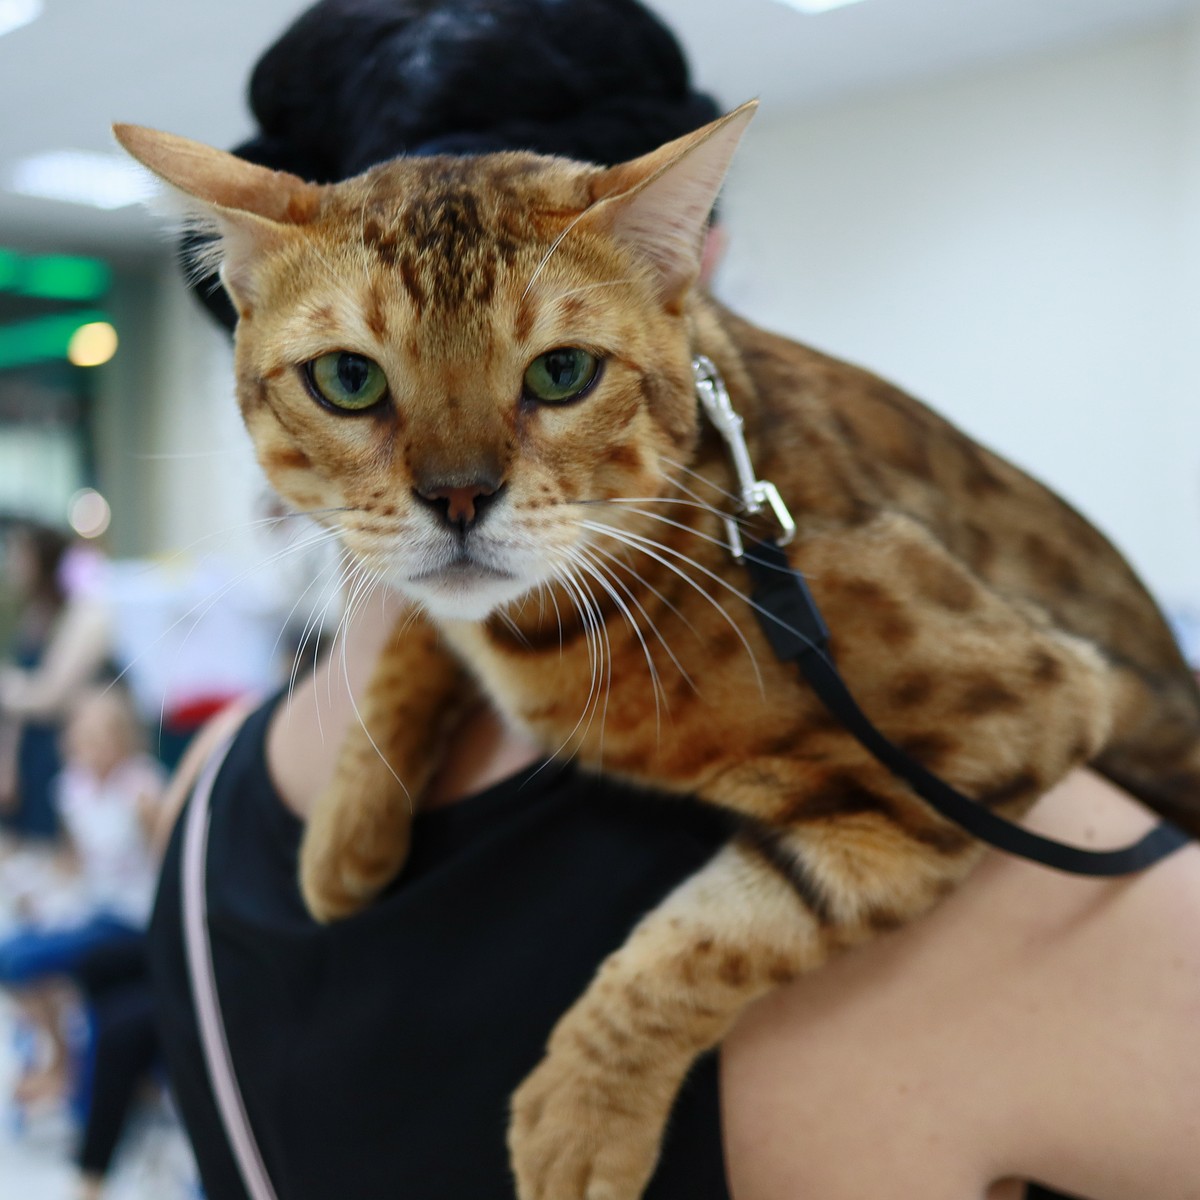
[[659, 204], [250, 207]]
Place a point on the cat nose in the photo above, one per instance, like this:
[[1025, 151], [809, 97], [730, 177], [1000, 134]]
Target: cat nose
[[460, 505]]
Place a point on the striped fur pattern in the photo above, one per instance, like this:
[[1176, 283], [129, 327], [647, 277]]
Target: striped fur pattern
[[983, 624]]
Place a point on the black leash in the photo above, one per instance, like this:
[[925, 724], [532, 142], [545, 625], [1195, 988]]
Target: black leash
[[797, 632]]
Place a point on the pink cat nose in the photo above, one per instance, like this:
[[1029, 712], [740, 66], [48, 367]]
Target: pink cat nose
[[460, 506]]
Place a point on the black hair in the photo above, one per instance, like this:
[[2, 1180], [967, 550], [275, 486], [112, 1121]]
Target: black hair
[[352, 83], [47, 546]]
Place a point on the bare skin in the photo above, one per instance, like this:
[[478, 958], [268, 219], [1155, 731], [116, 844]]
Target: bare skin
[[1034, 1026]]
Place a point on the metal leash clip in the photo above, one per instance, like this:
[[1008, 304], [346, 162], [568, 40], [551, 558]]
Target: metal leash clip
[[756, 494]]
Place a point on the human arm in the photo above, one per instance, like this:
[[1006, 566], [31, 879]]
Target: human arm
[[1035, 1025], [77, 649]]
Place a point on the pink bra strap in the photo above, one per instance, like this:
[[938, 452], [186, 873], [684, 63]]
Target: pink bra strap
[[221, 1074]]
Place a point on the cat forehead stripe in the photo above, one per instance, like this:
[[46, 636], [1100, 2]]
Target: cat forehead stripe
[[458, 227]]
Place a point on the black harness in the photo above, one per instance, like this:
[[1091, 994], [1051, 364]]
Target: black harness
[[797, 632]]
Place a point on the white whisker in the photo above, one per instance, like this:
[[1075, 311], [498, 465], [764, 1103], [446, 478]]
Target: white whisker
[[593, 569], [314, 625], [317, 581], [705, 537], [510, 624], [589, 287], [595, 549], [352, 608], [591, 623], [198, 611], [550, 253], [652, 548], [678, 466]]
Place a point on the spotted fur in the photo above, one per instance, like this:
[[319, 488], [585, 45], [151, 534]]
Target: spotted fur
[[984, 624]]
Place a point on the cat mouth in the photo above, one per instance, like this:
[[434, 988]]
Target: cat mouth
[[462, 571], [463, 589]]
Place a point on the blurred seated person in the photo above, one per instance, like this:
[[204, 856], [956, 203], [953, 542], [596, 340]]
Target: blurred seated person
[[61, 644], [113, 979], [108, 795], [123, 1047]]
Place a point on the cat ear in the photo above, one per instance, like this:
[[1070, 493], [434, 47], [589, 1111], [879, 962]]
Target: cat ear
[[659, 204], [249, 206]]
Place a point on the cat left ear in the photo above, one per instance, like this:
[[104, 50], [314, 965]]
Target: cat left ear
[[250, 206], [660, 203]]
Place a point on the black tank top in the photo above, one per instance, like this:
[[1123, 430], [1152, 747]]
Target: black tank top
[[376, 1056]]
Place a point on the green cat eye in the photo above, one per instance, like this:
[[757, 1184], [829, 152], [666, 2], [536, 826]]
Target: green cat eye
[[561, 375], [347, 381]]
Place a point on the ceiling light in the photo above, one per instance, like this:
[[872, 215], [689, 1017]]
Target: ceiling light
[[82, 177], [818, 6], [15, 13]]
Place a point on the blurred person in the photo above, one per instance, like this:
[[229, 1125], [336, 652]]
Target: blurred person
[[107, 795], [123, 1048], [62, 643], [29, 748], [192, 636], [113, 979], [992, 1041]]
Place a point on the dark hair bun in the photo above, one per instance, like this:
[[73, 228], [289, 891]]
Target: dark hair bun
[[353, 83]]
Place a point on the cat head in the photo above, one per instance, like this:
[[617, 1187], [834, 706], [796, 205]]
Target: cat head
[[452, 360]]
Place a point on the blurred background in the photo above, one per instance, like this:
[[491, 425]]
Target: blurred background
[[995, 203]]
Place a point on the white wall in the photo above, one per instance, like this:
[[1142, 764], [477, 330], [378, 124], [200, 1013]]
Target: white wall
[[1019, 249]]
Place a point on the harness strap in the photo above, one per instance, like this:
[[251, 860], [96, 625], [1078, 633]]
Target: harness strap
[[797, 632], [226, 1092]]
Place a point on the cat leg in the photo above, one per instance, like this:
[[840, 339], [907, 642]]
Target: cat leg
[[587, 1123], [357, 836]]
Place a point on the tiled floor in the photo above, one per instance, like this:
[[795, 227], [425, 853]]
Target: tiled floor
[[154, 1162]]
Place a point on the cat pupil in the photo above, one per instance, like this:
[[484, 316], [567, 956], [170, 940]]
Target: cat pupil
[[561, 366], [353, 372]]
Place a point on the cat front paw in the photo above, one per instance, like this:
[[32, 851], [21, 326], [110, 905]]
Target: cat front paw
[[577, 1134], [350, 853]]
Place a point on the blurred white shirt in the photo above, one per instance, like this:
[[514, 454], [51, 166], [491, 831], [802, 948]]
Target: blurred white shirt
[[102, 819]]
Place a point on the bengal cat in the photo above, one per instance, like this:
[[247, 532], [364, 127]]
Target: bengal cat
[[480, 370]]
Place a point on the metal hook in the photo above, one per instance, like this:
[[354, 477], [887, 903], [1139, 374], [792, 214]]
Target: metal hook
[[756, 494]]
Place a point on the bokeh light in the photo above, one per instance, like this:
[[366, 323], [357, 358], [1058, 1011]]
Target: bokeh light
[[93, 344], [88, 513]]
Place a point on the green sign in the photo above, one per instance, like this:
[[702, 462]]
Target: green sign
[[54, 276]]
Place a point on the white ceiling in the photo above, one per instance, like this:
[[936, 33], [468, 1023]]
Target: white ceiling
[[182, 66]]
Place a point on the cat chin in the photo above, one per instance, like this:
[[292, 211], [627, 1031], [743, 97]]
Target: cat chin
[[462, 596]]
